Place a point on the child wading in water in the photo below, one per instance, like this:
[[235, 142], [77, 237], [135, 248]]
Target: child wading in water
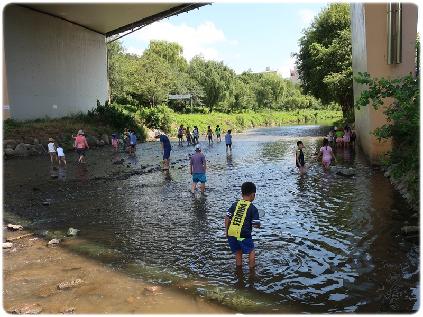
[[180, 134], [228, 141], [52, 150], [299, 157], [327, 153], [115, 142], [240, 219], [218, 132], [61, 154], [189, 136], [210, 135]]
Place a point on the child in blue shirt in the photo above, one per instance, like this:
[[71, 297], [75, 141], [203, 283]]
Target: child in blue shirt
[[228, 140], [240, 219]]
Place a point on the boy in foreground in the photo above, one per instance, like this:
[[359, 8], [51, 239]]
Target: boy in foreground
[[240, 219]]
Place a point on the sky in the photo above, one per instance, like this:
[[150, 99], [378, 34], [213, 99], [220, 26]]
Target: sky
[[242, 35]]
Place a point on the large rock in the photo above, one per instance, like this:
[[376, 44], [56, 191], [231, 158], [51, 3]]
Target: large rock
[[37, 149], [92, 140], [23, 149], [7, 245], [9, 151], [53, 242], [72, 232], [105, 138], [14, 227]]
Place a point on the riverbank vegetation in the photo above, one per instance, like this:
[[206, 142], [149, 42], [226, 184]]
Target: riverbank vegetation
[[402, 127]]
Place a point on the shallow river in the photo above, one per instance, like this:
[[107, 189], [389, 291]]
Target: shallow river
[[328, 243]]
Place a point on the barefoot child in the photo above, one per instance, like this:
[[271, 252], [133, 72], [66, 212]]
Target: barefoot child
[[61, 154], [115, 142], [210, 135], [198, 169], [240, 219], [217, 132], [52, 150], [228, 141], [299, 157], [327, 153], [180, 134]]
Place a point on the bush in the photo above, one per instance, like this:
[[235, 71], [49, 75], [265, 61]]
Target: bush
[[402, 125], [157, 118]]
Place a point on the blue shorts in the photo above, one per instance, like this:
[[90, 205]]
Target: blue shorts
[[166, 154], [199, 178], [246, 245]]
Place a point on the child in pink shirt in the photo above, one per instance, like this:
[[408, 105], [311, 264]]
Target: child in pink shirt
[[326, 153]]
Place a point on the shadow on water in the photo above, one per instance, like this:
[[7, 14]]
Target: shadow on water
[[327, 244]]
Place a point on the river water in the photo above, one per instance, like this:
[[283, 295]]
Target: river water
[[328, 243]]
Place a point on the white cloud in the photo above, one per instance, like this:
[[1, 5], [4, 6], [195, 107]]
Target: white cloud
[[198, 40], [306, 16]]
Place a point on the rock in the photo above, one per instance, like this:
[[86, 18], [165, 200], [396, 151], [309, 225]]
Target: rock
[[37, 149], [9, 152], [72, 232], [119, 162], [27, 309], [387, 174], [36, 141], [409, 229], [14, 227], [105, 138], [23, 149], [91, 140], [347, 172], [72, 284], [10, 143], [53, 242], [153, 289], [69, 310], [7, 245], [415, 215]]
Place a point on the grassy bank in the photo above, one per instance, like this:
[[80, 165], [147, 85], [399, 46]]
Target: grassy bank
[[243, 121]]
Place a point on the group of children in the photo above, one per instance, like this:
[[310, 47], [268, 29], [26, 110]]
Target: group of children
[[128, 142], [339, 137], [336, 137], [58, 154], [193, 139]]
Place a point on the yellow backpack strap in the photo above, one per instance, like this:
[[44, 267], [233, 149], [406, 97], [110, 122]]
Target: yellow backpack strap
[[238, 218]]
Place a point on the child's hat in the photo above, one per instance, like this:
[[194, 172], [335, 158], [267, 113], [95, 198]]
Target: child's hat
[[156, 134], [198, 147], [80, 132], [50, 139]]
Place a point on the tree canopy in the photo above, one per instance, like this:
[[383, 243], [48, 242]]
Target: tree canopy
[[324, 61], [146, 81]]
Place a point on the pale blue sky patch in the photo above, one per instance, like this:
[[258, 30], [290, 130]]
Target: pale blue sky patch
[[242, 35]]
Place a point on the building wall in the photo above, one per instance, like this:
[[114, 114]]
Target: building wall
[[53, 67], [369, 38]]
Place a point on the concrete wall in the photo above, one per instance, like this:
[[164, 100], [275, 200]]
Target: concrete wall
[[369, 51], [53, 67]]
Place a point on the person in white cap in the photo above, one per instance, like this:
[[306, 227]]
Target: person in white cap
[[198, 169]]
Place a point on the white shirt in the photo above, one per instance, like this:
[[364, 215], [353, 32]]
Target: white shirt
[[51, 147], [60, 152]]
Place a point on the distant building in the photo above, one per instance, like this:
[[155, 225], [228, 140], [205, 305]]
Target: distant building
[[267, 71], [294, 77]]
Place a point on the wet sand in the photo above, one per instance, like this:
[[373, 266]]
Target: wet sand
[[32, 271]]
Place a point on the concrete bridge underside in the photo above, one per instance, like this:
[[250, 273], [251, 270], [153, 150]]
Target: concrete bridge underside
[[55, 55]]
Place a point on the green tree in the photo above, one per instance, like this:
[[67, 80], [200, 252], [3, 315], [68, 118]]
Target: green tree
[[324, 60]]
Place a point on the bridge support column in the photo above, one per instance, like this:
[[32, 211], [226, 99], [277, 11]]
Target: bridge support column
[[369, 26]]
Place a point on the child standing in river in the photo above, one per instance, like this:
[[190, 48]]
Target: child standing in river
[[327, 154], [299, 158], [61, 154], [240, 219], [228, 140]]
